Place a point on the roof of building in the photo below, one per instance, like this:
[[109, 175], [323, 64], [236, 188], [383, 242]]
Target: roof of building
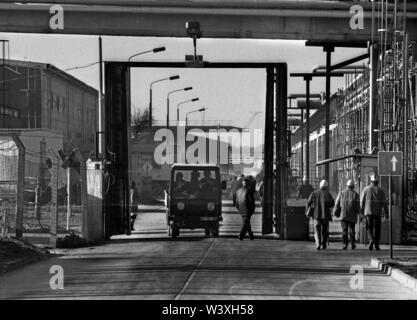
[[51, 68]]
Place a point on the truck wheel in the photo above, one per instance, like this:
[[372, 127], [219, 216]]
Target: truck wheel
[[207, 231], [175, 232], [215, 231]]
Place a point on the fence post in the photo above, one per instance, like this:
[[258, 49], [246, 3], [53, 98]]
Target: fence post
[[84, 199], [20, 186], [54, 204]]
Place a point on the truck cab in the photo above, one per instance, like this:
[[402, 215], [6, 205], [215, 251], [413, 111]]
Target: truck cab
[[194, 199]]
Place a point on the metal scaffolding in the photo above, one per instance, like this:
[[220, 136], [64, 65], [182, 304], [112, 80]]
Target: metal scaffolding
[[378, 110]]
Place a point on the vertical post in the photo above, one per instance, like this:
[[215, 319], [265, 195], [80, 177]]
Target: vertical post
[[281, 180], [307, 79], [20, 187], [168, 111], [373, 98], [267, 219], [178, 114], [68, 196], [218, 144], [302, 145], [150, 106], [390, 217], [85, 230], [406, 157], [100, 98], [54, 204], [328, 49]]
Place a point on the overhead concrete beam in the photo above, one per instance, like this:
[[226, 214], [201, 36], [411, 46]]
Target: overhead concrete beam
[[316, 20]]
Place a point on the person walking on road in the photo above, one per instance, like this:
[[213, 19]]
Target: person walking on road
[[245, 204], [234, 188], [318, 207], [347, 207], [134, 204], [373, 200]]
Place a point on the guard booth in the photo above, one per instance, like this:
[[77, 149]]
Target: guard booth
[[360, 167]]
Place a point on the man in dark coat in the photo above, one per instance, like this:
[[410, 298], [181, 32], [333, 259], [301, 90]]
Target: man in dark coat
[[373, 200], [134, 204], [321, 201], [347, 207], [245, 203]]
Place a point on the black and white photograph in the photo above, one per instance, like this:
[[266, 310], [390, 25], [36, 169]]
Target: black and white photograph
[[210, 155]]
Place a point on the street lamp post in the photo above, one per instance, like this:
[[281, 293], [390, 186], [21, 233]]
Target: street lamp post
[[171, 92], [186, 115], [155, 50], [181, 103], [150, 95]]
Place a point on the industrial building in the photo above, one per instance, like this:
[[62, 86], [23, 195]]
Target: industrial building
[[41, 96], [374, 111]]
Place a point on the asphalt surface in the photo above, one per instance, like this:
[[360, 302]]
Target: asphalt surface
[[149, 265]]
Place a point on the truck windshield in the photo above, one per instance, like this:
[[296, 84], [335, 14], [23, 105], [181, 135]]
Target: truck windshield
[[203, 184]]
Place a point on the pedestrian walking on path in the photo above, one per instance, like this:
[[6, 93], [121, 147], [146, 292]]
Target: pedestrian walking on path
[[318, 207], [373, 200], [134, 204], [245, 203], [347, 208]]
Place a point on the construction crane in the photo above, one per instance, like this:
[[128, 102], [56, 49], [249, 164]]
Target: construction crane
[[254, 114]]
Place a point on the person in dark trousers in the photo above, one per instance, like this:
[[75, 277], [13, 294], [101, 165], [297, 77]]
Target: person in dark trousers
[[347, 207], [134, 204], [245, 204], [321, 202], [373, 200]]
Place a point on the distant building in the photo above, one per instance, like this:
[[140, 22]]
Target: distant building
[[145, 170], [41, 96]]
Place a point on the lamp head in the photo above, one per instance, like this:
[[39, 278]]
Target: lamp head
[[174, 77], [193, 29], [159, 49]]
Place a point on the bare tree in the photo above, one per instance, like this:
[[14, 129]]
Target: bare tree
[[140, 121]]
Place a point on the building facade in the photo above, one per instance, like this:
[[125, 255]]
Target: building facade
[[38, 95]]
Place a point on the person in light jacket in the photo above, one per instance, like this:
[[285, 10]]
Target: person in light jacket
[[373, 200], [321, 201], [347, 207]]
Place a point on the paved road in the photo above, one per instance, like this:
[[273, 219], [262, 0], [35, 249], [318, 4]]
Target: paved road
[[148, 265]]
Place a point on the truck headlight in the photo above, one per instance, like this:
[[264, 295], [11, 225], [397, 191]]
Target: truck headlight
[[180, 205], [211, 206]]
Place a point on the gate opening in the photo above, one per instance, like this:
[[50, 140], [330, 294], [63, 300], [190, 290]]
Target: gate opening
[[125, 127]]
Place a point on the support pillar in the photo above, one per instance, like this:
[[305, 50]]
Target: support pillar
[[307, 161], [117, 104], [282, 165], [373, 98], [328, 49], [267, 214]]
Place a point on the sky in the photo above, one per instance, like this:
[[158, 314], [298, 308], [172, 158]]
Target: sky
[[231, 95]]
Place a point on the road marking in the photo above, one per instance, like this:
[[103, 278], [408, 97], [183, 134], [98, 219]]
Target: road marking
[[394, 163], [191, 275]]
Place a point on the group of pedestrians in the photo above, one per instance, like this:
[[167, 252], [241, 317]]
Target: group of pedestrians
[[348, 207]]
